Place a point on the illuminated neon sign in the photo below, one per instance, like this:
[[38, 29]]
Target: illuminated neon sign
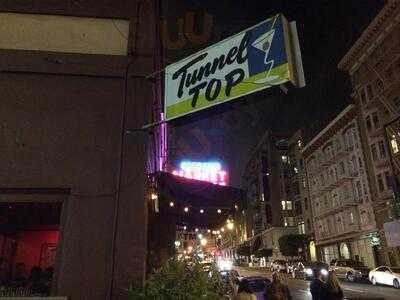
[[204, 171]]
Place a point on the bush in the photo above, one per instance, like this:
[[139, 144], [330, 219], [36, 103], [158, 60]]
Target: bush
[[180, 280]]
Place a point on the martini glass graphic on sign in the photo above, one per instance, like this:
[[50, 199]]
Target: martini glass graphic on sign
[[263, 43]]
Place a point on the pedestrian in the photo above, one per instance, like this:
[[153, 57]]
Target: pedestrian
[[276, 290], [244, 292], [318, 286], [333, 289]]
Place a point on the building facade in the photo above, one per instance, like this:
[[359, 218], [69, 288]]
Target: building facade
[[74, 94], [373, 64], [270, 196], [298, 191], [340, 196]]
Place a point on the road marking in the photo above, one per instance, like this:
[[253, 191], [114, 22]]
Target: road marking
[[354, 290]]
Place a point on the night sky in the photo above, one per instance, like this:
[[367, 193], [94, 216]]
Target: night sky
[[327, 30]]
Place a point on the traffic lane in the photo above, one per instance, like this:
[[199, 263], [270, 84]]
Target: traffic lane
[[300, 289]]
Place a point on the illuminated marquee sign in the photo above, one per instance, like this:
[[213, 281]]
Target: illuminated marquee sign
[[204, 171]]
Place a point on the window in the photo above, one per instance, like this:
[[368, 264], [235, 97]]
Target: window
[[393, 144], [360, 165], [287, 205], [382, 150], [301, 227], [305, 203], [388, 179], [380, 183], [358, 189], [374, 152], [375, 120], [368, 123], [379, 85], [288, 221], [351, 217], [363, 96], [298, 208]]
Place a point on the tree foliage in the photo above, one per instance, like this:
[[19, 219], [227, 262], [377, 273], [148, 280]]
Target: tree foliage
[[263, 253], [244, 250], [289, 244], [179, 280]]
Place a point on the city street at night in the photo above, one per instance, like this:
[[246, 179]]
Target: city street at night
[[300, 289], [148, 147]]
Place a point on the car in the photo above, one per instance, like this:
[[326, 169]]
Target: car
[[349, 269], [256, 284], [227, 275], [385, 275], [278, 265], [305, 270]]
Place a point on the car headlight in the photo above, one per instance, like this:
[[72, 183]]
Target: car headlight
[[324, 272], [309, 271]]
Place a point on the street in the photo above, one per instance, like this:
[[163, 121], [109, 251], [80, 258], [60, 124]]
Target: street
[[300, 288]]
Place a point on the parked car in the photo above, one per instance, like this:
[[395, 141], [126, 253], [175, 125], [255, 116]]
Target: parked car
[[257, 285], [305, 270], [351, 270], [385, 275], [279, 265]]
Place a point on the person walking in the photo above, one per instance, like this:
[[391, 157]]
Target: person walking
[[318, 286], [276, 290], [333, 289]]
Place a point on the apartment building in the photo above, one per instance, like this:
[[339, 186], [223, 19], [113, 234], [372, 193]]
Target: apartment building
[[373, 64], [270, 209], [339, 192]]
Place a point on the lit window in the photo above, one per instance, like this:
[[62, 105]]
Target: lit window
[[284, 158], [283, 205], [295, 170], [393, 143], [289, 205], [299, 143]]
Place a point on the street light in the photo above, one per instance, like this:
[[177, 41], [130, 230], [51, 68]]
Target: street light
[[171, 204], [200, 236], [219, 211], [177, 244], [196, 230], [154, 196], [230, 226], [208, 230], [222, 229], [186, 209], [203, 242], [201, 211]]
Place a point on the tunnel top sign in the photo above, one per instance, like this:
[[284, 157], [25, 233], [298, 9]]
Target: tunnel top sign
[[260, 57]]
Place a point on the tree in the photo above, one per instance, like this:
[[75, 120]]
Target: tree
[[179, 280], [263, 253], [244, 250], [289, 244]]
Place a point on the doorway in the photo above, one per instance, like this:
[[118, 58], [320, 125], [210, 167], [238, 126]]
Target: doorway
[[29, 235]]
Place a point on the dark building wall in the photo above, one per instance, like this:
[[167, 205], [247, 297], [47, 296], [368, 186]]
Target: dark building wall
[[62, 121]]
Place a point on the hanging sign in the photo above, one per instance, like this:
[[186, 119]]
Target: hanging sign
[[265, 55]]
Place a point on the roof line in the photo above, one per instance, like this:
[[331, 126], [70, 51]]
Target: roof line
[[327, 127], [365, 38]]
